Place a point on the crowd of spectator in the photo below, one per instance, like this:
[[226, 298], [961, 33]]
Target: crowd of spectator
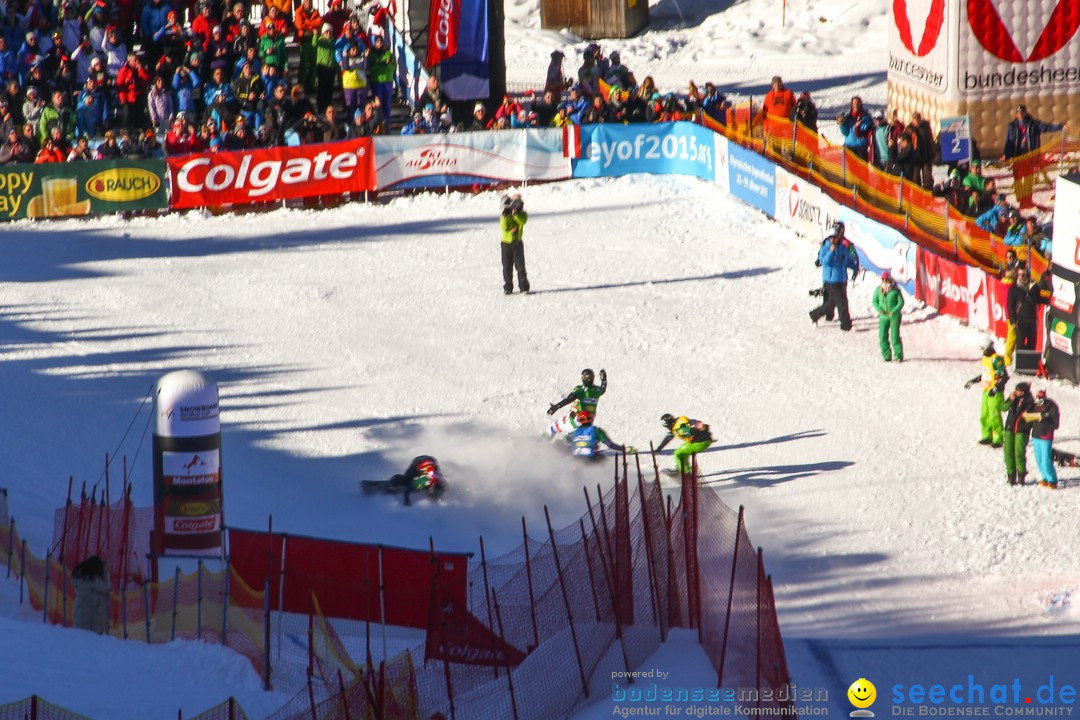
[[99, 79], [104, 79]]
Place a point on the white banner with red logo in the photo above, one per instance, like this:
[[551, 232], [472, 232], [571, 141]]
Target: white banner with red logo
[[416, 161], [272, 174], [963, 292], [443, 23], [803, 207]]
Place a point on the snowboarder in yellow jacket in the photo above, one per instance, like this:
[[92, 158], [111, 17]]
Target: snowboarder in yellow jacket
[[696, 437], [888, 301]]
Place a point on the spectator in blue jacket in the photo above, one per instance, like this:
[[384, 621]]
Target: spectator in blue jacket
[[578, 104], [1024, 134], [993, 220], [154, 18], [857, 127], [1016, 230], [836, 257]]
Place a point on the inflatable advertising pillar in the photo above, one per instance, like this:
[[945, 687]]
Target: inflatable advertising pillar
[[1063, 356], [983, 58], [187, 466]]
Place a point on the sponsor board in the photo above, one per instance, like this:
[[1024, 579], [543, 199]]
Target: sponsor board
[[443, 25], [942, 284], [752, 179], [201, 467], [1030, 47], [272, 174], [955, 137], [192, 525], [417, 161], [803, 207], [680, 148], [1061, 335], [920, 40], [1064, 294], [79, 189], [1067, 223], [962, 292], [882, 249]]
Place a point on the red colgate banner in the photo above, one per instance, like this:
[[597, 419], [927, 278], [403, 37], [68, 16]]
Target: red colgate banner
[[442, 31], [272, 174]]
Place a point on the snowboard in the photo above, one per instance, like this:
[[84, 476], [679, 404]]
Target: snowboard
[[376, 487]]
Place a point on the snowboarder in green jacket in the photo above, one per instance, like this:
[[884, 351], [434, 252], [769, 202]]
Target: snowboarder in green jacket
[[584, 398], [888, 301]]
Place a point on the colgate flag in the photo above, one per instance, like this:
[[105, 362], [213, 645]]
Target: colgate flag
[[255, 176], [443, 23], [456, 635]]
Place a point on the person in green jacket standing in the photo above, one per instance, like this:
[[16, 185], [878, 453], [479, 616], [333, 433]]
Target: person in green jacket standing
[[326, 67], [512, 224], [888, 301], [381, 67]]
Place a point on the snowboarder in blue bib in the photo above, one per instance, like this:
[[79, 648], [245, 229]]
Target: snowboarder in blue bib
[[585, 439]]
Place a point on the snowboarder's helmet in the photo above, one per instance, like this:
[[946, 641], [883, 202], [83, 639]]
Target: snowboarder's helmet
[[584, 418], [587, 377], [989, 349], [667, 420], [838, 229]]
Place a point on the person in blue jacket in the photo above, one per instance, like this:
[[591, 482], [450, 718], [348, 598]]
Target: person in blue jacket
[[1016, 232], [836, 257], [585, 439], [991, 218], [1024, 134], [857, 127]]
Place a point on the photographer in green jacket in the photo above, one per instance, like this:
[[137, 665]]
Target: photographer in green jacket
[[512, 223]]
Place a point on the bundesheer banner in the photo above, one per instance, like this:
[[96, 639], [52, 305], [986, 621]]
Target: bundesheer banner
[[983, 58], [455, 159], [273, 174], [53, 190]]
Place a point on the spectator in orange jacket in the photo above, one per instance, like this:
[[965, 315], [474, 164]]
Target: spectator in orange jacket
[[49, 153], [308, 24], [779, 102], [284, 8]]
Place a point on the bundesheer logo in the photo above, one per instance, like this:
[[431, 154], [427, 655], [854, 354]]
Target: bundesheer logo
[[931, 29], [1016, 45]]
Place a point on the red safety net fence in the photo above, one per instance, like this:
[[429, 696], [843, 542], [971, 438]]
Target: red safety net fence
[[117, 532], [537, 632]]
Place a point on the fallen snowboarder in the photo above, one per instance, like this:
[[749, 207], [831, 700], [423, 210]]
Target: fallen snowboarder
[[423, 475]]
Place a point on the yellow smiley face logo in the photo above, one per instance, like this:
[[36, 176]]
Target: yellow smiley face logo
[[862, 693]]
